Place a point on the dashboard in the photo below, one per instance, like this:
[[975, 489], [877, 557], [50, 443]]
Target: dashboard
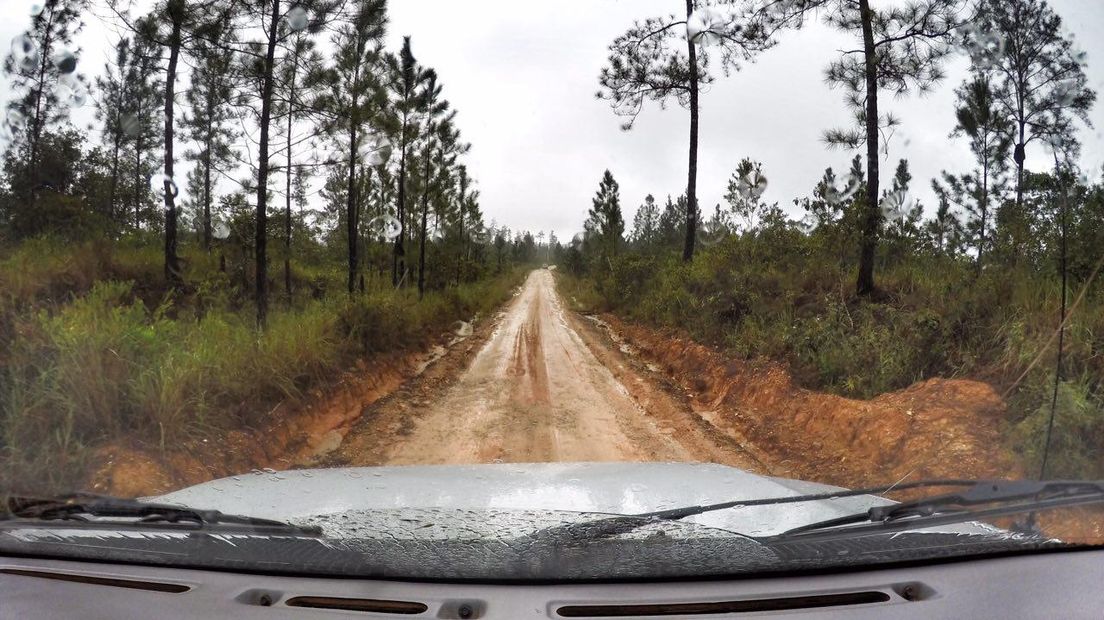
[[1065, 584]]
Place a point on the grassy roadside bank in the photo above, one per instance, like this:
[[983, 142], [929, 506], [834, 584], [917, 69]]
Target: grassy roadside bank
[[752, 298], [105, 364]]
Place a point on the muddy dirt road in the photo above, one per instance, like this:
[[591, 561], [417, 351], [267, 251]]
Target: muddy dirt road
[[540, 388]]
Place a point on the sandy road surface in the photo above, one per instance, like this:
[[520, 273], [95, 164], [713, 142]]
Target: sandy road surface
[[535, 391]]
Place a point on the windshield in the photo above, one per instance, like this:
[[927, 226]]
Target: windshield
[[358, 281]]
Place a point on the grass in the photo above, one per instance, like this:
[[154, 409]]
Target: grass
[[791, 300], [102, 363]]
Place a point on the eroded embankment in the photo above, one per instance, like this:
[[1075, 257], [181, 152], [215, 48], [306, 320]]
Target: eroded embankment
[[293, 434], [935, 428]]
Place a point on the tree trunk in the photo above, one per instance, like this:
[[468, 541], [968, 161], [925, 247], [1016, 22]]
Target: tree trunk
[[113, 185], [172, 262], [262, 169], [287, 188], [207, 177], [36, 120], [138, 182], [692, 167], [421, 249], [351, 208], [398, 262], [872, 218], [984, 207], [1018, 156]]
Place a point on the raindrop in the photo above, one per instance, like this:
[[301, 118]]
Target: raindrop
[[268, 470], [65, 61], [220, 231], [22, 45], [297, 19], [702, 25], [385, 226], [752, 185], [16, 120], [28, 62], [893, 205], [374, 153], [1065, 92], [712, 232], [157, 185], [850, 185], [463, 329], [578, 240], [37, 8], [130, 125], [78, 98], [481, 236], [437, 235]]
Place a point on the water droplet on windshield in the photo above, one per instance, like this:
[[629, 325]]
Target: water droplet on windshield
[[65, 61], [37, 8], [268, 470], [752, 185], [297, 19], [130, 125], [159, 182], [220, 231], [385, 226], [712, 232]]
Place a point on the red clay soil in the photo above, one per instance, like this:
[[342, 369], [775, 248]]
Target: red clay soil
[[939, 428], [290, 435]]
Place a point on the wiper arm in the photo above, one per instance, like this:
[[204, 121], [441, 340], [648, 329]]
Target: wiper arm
[[622, 524], [86, 508], [1007, 497]]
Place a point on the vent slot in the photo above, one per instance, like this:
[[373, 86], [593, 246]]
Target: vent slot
[[723, 607], [357, 604], [152, 586]]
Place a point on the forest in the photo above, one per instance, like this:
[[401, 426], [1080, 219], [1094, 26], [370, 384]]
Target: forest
[[264, 193], [326, 215]]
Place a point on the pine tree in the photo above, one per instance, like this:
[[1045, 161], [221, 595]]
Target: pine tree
[[645, 231], [408, 83], [605, 224], [981, 122], [209, 128], [1038, 74], [665, 58], [144, 98], [352, 97], [902, 49], [112, 88], [42, 74]]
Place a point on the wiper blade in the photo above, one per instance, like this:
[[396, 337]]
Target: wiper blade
[[1004, 498], [93, 510], [621, 524]]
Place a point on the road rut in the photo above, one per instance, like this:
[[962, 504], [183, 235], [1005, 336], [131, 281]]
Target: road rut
[[536, 392]]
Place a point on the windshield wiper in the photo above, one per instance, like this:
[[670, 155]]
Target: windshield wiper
[[1004, 498], [90, 510], [621, 524], [926, 512]]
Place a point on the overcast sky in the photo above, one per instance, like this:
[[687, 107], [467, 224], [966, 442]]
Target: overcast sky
[[523, 76]]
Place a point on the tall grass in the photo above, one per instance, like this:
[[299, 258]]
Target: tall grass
[[110, 366]]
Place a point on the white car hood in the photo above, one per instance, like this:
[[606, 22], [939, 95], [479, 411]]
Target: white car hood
[[617, 488]]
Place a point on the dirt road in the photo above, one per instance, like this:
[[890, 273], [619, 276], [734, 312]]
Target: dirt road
[[536, 391]]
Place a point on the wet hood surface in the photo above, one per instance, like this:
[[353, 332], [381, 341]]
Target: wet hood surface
[[504, 523], [614, 488]]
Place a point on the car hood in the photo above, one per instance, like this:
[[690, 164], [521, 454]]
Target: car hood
[[615, 488]]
